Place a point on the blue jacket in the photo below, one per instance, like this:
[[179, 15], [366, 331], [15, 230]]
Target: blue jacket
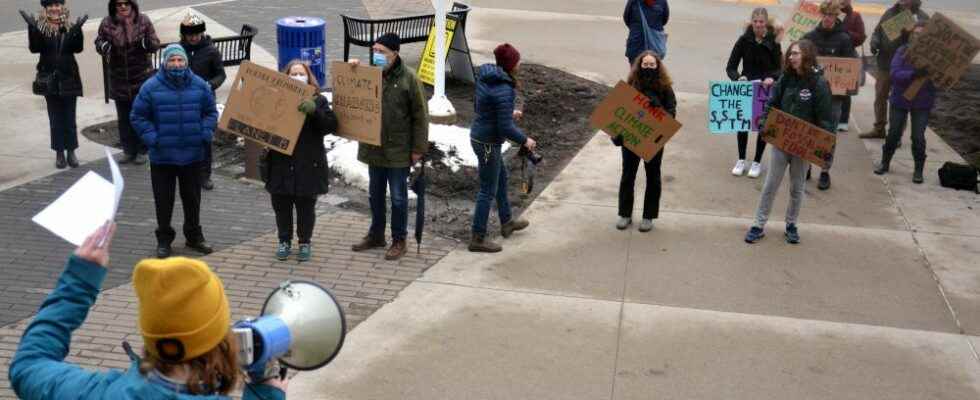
[[175, 119], [657, 16], [39, 372], [494, 107]]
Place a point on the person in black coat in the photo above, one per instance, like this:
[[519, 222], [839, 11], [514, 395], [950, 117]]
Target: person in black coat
[[205, 62], [649, 76], [831, 40], [759, 53], [296, 181], [57, 41]]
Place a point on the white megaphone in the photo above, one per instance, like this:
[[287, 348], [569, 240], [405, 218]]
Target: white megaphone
[[301, 325]]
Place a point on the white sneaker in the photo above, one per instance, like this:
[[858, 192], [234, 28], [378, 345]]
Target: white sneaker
[[623, 223], [739, 168], [842, 127], [755, 170], [646, 225]]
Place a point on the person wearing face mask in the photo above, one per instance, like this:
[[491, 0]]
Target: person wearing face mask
[[205, 62], [802, 92], [884, 50], [127, 39], [759, 53], [176, 141], [404, 140], [51, 35], [903, 73], [494, 106], [649, 76], [831, 40], [295, 181]]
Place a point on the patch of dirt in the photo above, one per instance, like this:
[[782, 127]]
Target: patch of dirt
[[556, 114], [956, 117]]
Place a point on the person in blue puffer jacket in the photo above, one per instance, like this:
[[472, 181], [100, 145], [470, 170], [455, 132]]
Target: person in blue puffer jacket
[[494, 123], [175, 116], [204, 367]]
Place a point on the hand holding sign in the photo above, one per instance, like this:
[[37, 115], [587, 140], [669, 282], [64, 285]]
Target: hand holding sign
[[799, 138], [730, 107], [627, 113], [945, 49]]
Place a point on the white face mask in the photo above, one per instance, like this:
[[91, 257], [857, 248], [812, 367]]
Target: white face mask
[[300, 78]]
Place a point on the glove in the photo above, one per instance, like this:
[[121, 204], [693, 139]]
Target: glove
[[618, 141], [920, 73], [105, 48], [308, 106], [77, 28], [874, 51], [30, 19]]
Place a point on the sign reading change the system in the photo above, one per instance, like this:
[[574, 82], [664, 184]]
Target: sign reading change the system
[[799, 138], [730, 106], [626, 112], [357, 101], [262, 107], [844, 74]]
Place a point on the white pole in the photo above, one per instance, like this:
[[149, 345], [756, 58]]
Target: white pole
[[439, 105]]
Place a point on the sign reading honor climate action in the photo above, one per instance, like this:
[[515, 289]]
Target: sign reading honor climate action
[[730, 106], [799, 138], [262, 107], [626, 112]]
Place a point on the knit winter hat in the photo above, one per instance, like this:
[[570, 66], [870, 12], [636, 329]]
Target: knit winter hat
[[183, 311], [391, 41], [830, 7], [171, 50], [507, 57], [192, 24], [45, 3]]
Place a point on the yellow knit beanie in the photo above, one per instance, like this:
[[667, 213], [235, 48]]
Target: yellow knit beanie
[[183, 311]]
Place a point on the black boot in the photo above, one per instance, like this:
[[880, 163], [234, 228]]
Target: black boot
[[917, 175], [886, 160], [72, 160], [201, 246], [59, 160]]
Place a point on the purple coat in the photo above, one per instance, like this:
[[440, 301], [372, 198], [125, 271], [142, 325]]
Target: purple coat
[[901, 74]]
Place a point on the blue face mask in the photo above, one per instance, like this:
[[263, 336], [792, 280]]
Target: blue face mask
[[176, 73], [379, 60]]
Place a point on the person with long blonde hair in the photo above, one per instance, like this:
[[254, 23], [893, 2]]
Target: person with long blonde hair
[[649, 76]]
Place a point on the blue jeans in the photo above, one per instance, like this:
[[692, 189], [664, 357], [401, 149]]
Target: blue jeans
[[395, 180], [896, 126], [493, 185]]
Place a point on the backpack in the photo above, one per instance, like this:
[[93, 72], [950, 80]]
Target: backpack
[[958, 176]]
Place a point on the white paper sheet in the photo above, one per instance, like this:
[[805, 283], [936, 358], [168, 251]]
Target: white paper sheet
[[117, 181], [82, 209]]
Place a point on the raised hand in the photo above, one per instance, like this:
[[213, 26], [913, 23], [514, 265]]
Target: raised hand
[[29, 18]]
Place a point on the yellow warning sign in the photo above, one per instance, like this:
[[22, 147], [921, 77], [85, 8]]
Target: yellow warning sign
[[427, 67]]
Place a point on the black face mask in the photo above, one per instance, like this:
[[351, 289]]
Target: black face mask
[[649, 75]]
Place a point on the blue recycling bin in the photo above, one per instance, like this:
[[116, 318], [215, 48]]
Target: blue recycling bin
[[303, 38]]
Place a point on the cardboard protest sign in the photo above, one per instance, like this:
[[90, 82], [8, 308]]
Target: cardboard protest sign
[[843, 74], [427, 65], [799, 138], [945, 49], [262, 107], [805, 17], [760, 96], [729, 106], [894, 26], [627, 112], [357, 101]]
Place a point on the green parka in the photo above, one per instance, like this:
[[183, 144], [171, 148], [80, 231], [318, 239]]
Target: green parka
[[404, 121], [804, 98]]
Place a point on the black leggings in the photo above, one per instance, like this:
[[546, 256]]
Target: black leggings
[[743, 142], [651, 197], [305, 207]]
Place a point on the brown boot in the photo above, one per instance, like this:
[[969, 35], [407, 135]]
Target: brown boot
[[873, 134], [512, 226], [396, 251], [368, 242], [480, 244]]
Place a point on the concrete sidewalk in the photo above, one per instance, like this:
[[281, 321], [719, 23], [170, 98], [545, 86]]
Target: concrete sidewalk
[[880, 301]]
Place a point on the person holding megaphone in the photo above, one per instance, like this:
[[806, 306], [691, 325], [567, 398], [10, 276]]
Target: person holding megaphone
[[190, 351]]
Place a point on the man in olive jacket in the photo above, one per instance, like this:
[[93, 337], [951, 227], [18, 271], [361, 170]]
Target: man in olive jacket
[[404, 139]]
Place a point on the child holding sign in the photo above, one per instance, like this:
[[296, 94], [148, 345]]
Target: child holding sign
[[648, 76], [804, 93], [759, 53]]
